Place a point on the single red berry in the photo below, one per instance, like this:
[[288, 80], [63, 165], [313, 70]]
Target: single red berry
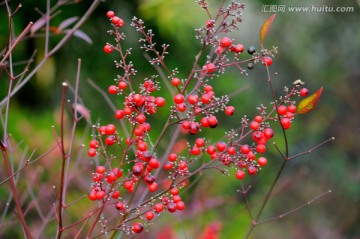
[[92, 196], [100, 195], [182, 165], [213, 122], [120, 23], [113, 89], [245, 149], [115, 194], [180, 205], [185, 124], [171, 207], [119, 114], [194, 128], [240, 174], [193, 99], [179, 98], [137, 227], [208, 88], [102, 129], [268, 133], [141, 118], [220, 146], [195, 150], [205, 99], [176, 198], [158, 207], [115, 20], [181, 107], [260, 148], [94, 144], [257, 136], [285, 123], [128, 111], [200, 142], [289, 115], [108, 49], [238, 48], [291, 108], [110, 129], [174, 191], [229, 110], [254, 125], [100, 169], [160, 101], [110, 140], [304, 92], [210, 68], [252, 170], [210, 149], [92, 152], [149, 215], [262, 161], [282, 109], [220, 50], [209, 23], [154, 163], [153, 187], [267, 61], [204, 122], [122, 85], [258, 118], [175, 81], [168, 165], [110, 14], [231, 150], [225, 42]]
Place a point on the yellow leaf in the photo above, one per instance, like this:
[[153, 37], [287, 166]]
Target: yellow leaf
[[266, 28], [309, 103]]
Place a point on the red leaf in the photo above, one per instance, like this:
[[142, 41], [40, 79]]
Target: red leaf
[[266, 28], [309, 103]]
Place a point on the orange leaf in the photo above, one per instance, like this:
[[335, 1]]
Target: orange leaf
[[266, 28], [309, 103]]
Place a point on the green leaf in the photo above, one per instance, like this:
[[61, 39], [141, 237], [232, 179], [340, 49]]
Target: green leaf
[[309, 103], [266, 28]]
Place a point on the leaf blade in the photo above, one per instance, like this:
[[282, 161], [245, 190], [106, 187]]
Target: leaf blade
[[309, 103], [265, 28]]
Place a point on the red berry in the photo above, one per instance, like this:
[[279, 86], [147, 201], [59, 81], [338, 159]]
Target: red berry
[[160, 101], [179, 98], [180, 205], [208, 88], [113, 89], [229, 110], [110, 129], [158, 207], [204, 122], [281, 109], [220, 50], [154, 163], [100, 169], [194, 128], [205, 99], [171, 207], [141, 118], [268, 133], [262, 161], [291, 108], [127, 111], [285, 123], [258, 118], [186, 125], [252, 170], [108, 49], [208, 68], [210, 150], [200, 142], [110, 14], [115, 20], [240, 174], [245, 149], [257, 136], [110, 140], [195, 150], [100, 195], [182, 165], [193, 99], [304, 92], [119, 114], [152, 187], [238, 48], [122, 85], [175, 81], [174, 191], [168, 165], [231, 150], [267, 61], [176, 198], [116, 194], [94, 144], [172, 157], [149, 215], [92, 152], [220, 146], [212, 120], [225, 42], [254, 125], [260, 148], [137, 227], [181, 107], [92, 196], [209, 23]]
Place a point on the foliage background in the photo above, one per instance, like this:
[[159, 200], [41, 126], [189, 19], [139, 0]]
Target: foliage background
[[322, 49]]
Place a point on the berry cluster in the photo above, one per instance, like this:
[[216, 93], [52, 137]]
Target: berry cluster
[[146, 181]]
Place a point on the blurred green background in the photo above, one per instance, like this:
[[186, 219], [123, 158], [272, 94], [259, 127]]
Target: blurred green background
[[320, 48]]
